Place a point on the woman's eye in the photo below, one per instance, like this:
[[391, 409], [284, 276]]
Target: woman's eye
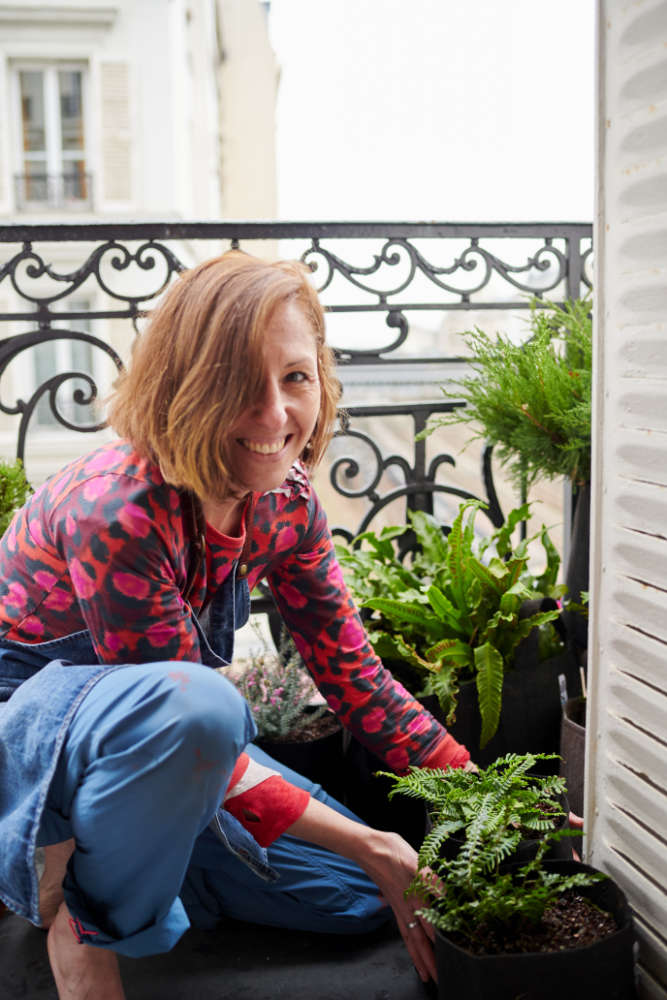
[[297, 377]]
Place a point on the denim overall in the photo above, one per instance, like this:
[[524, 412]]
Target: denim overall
[[56, 702]]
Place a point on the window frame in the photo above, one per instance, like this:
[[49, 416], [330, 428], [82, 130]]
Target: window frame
[[54, 155]]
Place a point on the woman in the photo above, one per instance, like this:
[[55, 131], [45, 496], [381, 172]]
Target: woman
[[123, 579]]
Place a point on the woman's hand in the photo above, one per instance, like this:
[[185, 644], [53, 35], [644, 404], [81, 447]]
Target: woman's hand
[[387, 859], [392, 864]]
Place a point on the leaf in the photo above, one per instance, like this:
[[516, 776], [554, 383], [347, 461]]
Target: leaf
[[443, 683], [394, 647], [450, 650], [431, 540], [446, 612], [546, 583], [489, 681], [492, 576], [399, 611], [459, 552], [503, 536]]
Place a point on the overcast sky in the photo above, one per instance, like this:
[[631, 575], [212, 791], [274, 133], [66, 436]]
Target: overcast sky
[[479, 110]]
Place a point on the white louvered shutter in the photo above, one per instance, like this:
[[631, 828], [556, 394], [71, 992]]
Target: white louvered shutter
[[626, 803], [115, 132]]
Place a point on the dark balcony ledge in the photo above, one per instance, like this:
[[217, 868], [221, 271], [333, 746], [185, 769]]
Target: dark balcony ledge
[[272, 229]]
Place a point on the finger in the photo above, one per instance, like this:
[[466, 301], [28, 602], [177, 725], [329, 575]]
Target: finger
[[421, 952], [429, 930], [576, 822]]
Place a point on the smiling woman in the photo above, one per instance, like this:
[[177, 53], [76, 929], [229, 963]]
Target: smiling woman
[[121, 581]]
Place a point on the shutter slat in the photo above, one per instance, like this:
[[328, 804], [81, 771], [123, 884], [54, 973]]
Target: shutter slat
[[638, 703], [640, 604], [636, 549], [638, 796], [642, 655]]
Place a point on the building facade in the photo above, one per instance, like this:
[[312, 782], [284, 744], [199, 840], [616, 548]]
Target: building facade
[[138, 109]]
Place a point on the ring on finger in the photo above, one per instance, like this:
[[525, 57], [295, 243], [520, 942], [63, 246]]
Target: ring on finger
[[412, 924]]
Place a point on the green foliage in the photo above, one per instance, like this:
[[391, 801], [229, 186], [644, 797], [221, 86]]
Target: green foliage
[[453, 614], [14, 491], [279, 690], [532, 400], [492, 811]]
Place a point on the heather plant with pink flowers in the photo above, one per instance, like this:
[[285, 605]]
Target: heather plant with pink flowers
[[280, 691]]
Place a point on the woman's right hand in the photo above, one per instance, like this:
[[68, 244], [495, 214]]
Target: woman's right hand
[[388, 860], [392, 864]]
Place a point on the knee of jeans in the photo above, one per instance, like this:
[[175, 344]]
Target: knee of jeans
[[212, 715]]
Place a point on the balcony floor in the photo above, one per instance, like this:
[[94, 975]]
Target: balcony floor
[[235, 962]]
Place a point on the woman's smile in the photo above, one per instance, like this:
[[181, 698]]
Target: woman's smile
[[264, 448]]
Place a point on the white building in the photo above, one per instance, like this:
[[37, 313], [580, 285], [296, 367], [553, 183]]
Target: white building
[[126, 110], [136, 109]]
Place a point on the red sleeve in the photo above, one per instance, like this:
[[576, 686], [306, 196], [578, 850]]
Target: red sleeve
[[308, 586], [262, 801]]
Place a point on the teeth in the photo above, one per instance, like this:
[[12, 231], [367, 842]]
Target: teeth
[[264, 449]]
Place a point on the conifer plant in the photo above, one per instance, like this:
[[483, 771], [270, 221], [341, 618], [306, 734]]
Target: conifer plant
[[532, 400]]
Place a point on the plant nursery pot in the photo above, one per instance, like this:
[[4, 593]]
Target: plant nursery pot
[[530, 716], [367, 795], [572, 750], [604, 969], [319, 759]]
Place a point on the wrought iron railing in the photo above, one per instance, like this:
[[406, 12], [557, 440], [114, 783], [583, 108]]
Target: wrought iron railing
[[399, 277]]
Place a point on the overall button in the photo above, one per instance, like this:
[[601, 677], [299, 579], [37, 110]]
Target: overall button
[[242, 570]]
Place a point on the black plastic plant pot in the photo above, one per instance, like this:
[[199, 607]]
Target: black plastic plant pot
[[530, 716], [604, 969], [367, 795], [320, 760]]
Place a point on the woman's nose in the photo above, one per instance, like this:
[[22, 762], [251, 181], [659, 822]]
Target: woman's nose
[[270, 406]]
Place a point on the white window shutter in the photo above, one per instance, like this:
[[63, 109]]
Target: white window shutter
[[626, 801], [116, 148]]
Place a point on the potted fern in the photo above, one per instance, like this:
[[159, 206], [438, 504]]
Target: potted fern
[[452, 622], [532, 402], [537, 929]]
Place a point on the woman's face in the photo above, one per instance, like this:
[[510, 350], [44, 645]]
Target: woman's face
[[272, 432]]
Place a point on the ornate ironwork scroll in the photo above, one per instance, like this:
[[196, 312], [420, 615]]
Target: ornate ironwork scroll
[[390, 271]]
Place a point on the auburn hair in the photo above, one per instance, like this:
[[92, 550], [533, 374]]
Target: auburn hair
[[199, 364]]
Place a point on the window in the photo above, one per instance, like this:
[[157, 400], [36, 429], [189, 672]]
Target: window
[[66, 355], [52, 169]]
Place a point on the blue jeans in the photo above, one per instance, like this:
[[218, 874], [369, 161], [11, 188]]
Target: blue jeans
[[144, 767]]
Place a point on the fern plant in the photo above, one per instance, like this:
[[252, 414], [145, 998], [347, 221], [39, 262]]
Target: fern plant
[[532, 400], [14, 491], [453, 614], [473, 890]]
